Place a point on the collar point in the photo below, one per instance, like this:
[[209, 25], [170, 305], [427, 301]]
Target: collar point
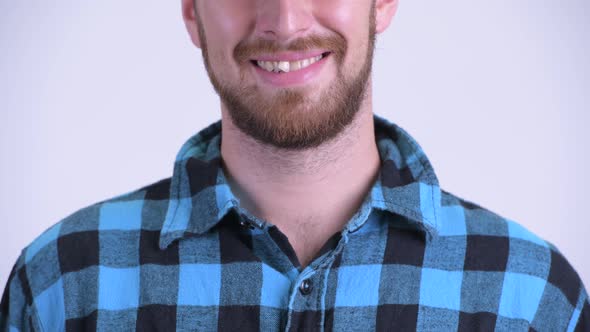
[[164, 242], [431, 233]]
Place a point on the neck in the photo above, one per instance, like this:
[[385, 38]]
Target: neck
[[314, 191]]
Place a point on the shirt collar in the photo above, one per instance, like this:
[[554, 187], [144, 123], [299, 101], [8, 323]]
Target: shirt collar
[[200, 195]]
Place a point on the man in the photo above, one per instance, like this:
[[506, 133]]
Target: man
[[300, 210]]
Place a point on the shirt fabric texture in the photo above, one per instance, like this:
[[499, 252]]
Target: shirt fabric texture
[[181, 254]]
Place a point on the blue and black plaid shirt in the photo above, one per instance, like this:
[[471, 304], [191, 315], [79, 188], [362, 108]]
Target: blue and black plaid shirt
[[182, 255]]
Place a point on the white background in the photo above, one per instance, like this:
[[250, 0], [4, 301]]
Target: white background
[[97, 98]]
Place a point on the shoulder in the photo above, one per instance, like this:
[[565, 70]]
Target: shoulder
[[80, 231], [76, 246], [538, 283]]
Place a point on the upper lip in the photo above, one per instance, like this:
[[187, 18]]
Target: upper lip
[[288, 56]]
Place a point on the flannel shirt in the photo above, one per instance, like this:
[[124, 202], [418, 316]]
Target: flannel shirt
[[182, 255]]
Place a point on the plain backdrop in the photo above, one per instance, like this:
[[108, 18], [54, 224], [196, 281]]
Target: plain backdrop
[[97, 97]]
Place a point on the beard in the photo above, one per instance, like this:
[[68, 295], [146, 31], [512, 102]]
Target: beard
[[290, 118]]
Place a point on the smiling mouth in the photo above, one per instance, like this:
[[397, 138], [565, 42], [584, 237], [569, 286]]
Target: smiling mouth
[[288, 66]]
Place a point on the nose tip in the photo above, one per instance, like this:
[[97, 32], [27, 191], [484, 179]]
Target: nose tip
[[284, 19]]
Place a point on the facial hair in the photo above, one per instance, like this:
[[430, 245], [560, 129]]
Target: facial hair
[[290, 119]]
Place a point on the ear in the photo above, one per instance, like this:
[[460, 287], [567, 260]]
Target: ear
[[189, 15], [384, 12]]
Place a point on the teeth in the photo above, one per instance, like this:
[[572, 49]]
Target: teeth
[[286, 66], [268, 66]]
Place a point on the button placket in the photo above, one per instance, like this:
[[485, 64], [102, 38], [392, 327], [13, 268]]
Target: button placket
[[316, 283]]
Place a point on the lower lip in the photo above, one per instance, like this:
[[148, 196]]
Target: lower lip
[[293, 78]]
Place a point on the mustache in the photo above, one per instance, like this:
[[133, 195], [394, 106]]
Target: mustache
[[335, 44]]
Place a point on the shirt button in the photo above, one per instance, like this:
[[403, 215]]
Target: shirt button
[[246, 224], [305, 287]]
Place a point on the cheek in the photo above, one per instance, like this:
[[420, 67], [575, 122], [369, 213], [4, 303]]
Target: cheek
[[226, 23], [340, 12], [350, 18]]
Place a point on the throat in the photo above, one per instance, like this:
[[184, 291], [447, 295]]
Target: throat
[[309, 242]]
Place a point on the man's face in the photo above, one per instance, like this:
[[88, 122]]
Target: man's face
[[290, 73]]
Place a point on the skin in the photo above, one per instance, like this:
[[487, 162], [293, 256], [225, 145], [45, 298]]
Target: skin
[[311, 181]]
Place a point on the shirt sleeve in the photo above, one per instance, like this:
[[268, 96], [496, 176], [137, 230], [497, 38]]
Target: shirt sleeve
[[15, 308], [564, 302]]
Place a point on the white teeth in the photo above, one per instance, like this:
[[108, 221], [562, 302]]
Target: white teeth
[[286, 66], [268, 66]]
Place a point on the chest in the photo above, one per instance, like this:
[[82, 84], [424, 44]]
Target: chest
[[380, 278]]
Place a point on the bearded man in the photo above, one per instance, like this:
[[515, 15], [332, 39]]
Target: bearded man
[[299, 210]]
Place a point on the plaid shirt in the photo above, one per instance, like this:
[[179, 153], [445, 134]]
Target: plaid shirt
[[182, 255]]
